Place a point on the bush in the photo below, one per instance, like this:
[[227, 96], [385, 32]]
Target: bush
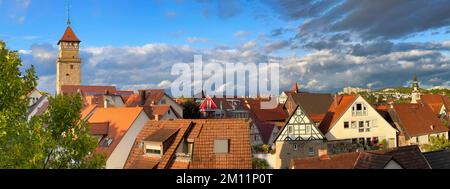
[[258, 163]]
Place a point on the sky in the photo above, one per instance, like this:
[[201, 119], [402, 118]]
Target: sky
[[324, 45]]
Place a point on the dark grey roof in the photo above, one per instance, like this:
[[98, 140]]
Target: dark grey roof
[[372, 161], [162, 135], [313, 103], [438, 160]]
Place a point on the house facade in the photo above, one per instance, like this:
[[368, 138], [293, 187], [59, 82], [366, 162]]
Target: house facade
[[417, 124], [353, 118], [299, 137], [38, 104]]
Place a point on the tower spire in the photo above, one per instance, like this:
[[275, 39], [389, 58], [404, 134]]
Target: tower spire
[[68, 12]]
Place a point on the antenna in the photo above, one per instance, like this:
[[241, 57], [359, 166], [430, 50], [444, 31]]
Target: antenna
[[68, 12]]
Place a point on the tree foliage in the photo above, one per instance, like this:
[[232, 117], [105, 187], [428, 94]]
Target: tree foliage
[[59, 139], [191, 109], [436, 144], [258, 163]]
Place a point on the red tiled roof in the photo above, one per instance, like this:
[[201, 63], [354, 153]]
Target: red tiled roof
[[150, 128], [276, 114], [87, 111], [87, 90], [151, 96], [436, 101], [160, 109], [202, 133], [335, 112], [408, 157], [69, 36], [417, 119], [119, 119], [239, 156], [340, 161]]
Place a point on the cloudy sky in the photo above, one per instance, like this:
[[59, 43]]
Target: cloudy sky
[[323, 44]]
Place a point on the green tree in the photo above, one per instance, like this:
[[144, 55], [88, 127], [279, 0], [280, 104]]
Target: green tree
[[69, 144], [21, 142], [258, 163], [436, 144], [36, 143], [191, 109]]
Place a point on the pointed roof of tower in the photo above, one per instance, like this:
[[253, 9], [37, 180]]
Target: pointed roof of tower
[[69, 36], [415, 77], [296, 88]]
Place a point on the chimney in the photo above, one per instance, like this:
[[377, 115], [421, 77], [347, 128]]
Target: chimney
[[105, 102], [323, 154], [143, 95], [336, 100]]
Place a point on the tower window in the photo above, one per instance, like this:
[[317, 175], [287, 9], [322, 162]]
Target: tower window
[[71, 67], [67, 75]]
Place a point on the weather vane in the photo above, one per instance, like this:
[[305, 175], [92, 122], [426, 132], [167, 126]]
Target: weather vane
[[68, 12]]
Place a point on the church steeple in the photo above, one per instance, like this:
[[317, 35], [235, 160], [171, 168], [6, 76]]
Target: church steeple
[[415, 95], [68, 13]]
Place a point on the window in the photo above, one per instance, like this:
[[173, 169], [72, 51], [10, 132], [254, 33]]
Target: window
[[290, 129], [295, 147], [67, 75], [311, 151], [361, 141], [254, 138], [308, 129], [359, 110], [346, 125], [151, 151], [71, 66], [367, 126], [221, 146], [361, 126], [354, 140], [353, 124], [368, 141]]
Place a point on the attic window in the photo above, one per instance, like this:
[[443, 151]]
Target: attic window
[[221, 146]]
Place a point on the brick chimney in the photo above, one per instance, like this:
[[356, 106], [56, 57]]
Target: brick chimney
[[143, 95]]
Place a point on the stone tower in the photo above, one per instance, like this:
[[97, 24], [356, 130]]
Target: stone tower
[[68, 64], [415, 95]]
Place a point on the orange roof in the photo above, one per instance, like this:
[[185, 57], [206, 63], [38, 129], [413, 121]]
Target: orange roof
[[119, 119], [417, 119], [69, 36], [151, 96], [340, 161], [87, 111], [335, 112], [87, 90], [276, 114]]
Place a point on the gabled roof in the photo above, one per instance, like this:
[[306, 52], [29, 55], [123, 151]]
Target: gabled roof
[[416, 119], [436, 101], [69, 36], [277, 114], [151, 96], [408, 157], [238, 134], [119, 119], [336, 111], [313, 103], [290, 117], [439, 159], [136, 157], [161, 135]]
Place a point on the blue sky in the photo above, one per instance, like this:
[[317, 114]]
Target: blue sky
[[322, 44]]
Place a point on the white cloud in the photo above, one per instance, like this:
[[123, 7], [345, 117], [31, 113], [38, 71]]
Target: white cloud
[[197, 40], [241, 34]]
